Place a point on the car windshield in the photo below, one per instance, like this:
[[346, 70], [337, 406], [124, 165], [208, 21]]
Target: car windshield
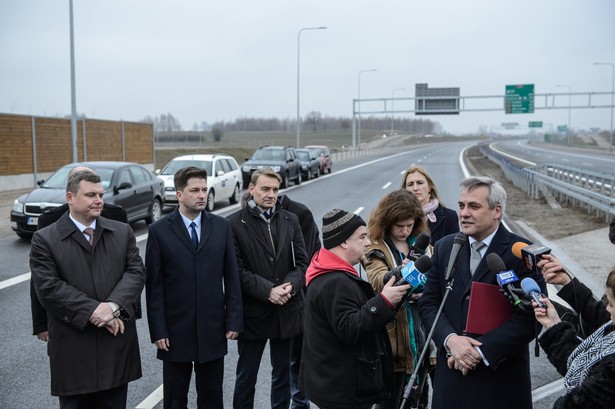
[[59, 179], [268, 154], [320, 151], [303, 155], [178, 164]]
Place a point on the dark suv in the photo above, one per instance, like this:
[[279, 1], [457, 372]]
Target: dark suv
[[283, 159]]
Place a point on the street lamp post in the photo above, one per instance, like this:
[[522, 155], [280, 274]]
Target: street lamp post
[[612, 94], [359, 105], [73, 98], [392, 107], [298, 77], [568, 131]]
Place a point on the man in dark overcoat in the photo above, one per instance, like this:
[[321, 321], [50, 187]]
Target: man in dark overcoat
[[272, 262], [87, 273], [193, 293], [488, 370]]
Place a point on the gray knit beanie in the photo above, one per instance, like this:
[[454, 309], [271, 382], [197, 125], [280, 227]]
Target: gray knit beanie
[[337, 226]]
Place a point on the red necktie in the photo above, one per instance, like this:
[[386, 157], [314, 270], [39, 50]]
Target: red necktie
[[90, 232]]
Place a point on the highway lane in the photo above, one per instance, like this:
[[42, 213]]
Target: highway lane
[[542, 154], [355, 185]]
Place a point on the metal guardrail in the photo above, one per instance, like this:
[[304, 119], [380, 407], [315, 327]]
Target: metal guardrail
[[578, 187]]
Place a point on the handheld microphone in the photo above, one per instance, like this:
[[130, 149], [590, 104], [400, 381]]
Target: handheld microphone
[[530, 287], [505, 278], [413, 273], [458, 243], [420, 246], [530, 254]]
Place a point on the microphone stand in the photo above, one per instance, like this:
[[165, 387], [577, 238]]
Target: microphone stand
[[411, 383]]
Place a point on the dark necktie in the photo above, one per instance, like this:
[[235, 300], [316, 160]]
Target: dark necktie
[[193, 235], [90, 232], [475, 255]]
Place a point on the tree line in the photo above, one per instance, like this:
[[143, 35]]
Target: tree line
[[313, 121]]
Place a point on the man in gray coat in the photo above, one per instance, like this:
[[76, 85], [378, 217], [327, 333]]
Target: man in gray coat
[[87, 273]]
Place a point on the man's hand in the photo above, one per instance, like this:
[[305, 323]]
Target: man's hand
[[115, 326], [553, 271], [163, 344], [280, 294], [232, 334], [394, 294], [464, 355], [102, 315], [43, 336]]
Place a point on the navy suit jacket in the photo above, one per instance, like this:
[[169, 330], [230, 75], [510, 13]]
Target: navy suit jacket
[[447, 222], [505, 383], [193, 294]]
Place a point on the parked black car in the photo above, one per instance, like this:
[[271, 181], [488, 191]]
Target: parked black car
[[310, 163], [126, 184], [283, 160]]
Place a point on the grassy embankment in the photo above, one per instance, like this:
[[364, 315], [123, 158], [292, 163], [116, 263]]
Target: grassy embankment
[[241, 145]]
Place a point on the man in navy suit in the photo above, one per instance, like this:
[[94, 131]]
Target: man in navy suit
[[478, 370], [193, 291]]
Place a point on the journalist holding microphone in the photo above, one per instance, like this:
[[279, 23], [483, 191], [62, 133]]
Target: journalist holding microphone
[[488, 370], [399, 235], [588, 365]]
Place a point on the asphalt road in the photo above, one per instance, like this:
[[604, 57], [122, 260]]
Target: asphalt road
[[355, 185]]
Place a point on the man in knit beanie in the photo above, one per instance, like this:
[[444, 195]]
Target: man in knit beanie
[[347, 360]]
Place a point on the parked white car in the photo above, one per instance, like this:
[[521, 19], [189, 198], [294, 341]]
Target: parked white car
[[223, 177]]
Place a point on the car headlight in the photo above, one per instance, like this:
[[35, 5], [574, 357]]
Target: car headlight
[[304, 167], [17, 206], [246, 169], [276, 168]]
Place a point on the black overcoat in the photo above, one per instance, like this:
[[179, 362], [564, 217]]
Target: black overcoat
[[506, 382], [269, 255], [193, 295]]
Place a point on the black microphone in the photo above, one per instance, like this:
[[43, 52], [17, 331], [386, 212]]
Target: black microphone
[[458, 243], [505, 278], [530, 287], [420, 246]]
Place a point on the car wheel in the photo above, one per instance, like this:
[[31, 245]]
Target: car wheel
[[156, 212], [235, 197], [299, 178], [284, 183], [317, 173], [309, 175], [211, 198], [246, 183], [25, 236]]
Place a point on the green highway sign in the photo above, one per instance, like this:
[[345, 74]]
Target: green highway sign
[[562, 128], [519, 99], [535, 124]]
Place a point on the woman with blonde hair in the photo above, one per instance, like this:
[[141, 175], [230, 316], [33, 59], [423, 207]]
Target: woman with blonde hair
[[393, 228], [441, 220]]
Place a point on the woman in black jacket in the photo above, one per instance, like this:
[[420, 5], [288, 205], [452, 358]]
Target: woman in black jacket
[[588, 365]]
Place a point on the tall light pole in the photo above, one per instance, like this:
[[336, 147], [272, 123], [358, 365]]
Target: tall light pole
[[568, 132], [298, 77], [359, 105], [612, 93], [73, 97], [393, 105]]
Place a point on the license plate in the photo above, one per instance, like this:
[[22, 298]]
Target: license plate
[[171, 197], [32, 221]]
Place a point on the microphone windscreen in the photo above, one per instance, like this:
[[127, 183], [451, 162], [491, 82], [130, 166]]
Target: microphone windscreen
[[517, 247], [460, 239], [422, 241], [529, 285], [423, 264], [495, 263]]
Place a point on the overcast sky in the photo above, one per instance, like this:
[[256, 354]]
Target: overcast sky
[[218, 60]]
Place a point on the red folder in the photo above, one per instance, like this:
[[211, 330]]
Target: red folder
[[488, 308]]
